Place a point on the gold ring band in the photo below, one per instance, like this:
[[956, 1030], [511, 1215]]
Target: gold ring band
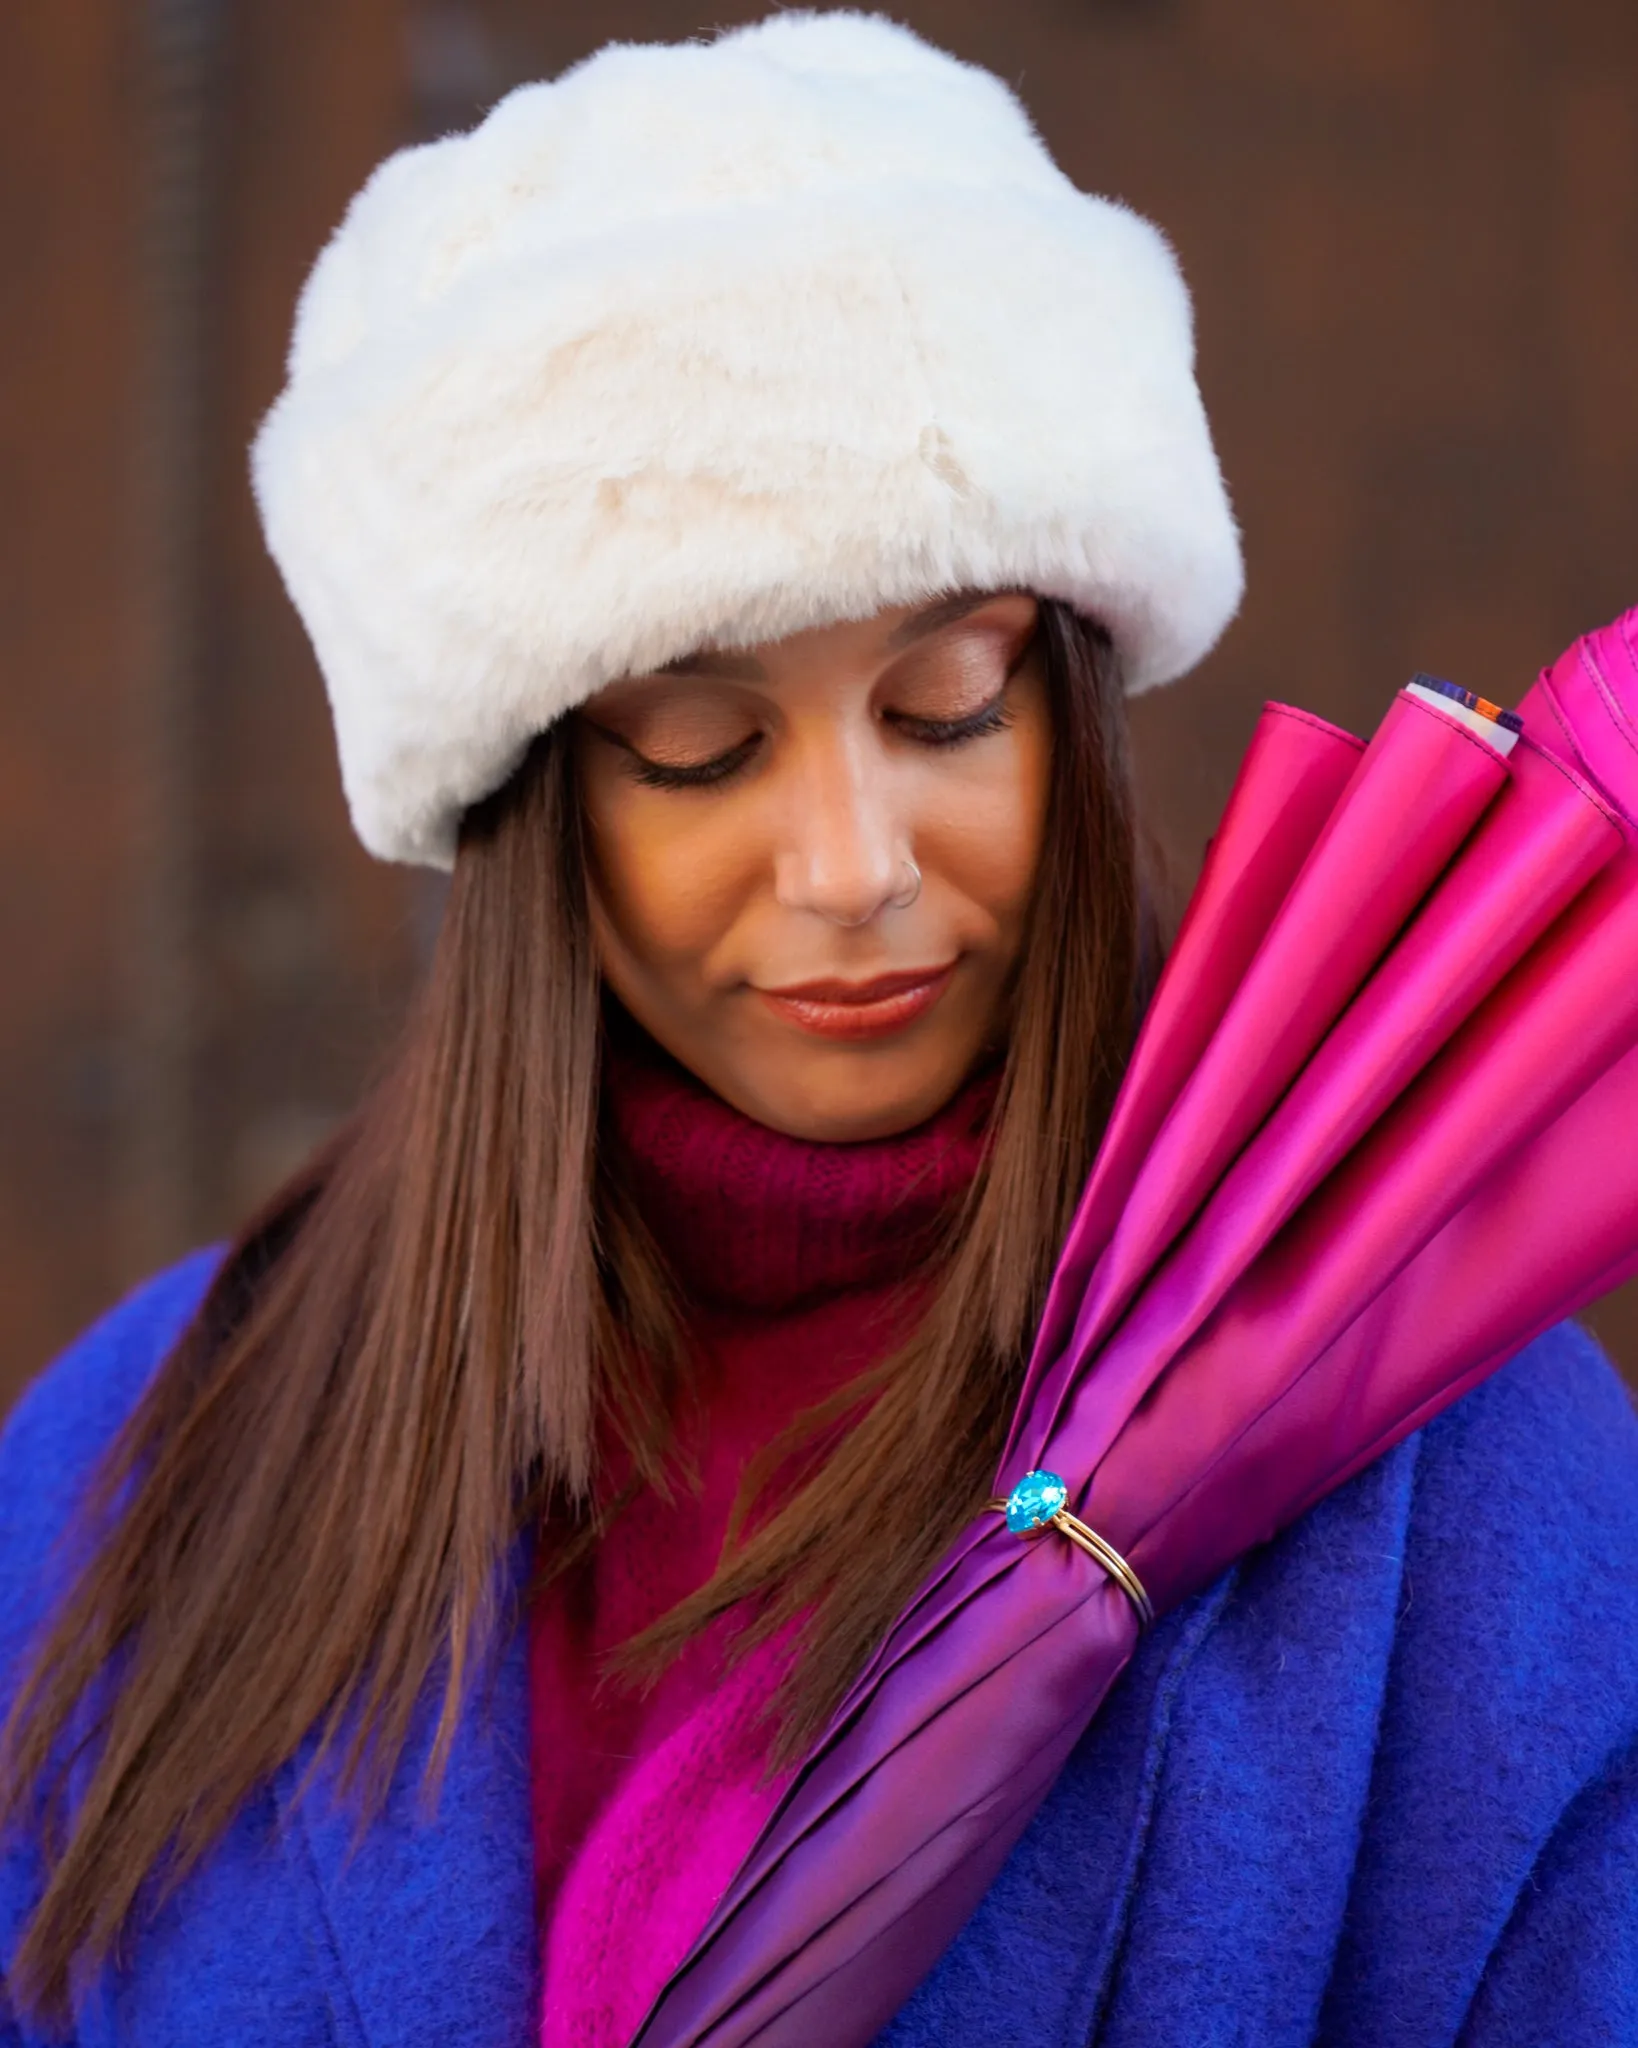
[[1095, 1547]]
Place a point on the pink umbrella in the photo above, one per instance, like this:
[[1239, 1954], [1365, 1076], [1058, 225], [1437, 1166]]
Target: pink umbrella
[[1399, 1030]]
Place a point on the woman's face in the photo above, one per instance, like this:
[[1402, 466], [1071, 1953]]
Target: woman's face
[[753, 818]]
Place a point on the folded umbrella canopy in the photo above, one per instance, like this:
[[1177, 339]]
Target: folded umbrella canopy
[[1398, 1030]]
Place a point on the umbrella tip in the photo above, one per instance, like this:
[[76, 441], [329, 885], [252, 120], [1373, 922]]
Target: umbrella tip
[[1509, 720]]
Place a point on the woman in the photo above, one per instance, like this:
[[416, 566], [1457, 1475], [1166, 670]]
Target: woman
[[718, 556]]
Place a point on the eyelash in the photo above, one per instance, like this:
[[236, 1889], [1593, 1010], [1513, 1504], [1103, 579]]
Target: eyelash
[[929, 732], [698, 774], [933, 732]]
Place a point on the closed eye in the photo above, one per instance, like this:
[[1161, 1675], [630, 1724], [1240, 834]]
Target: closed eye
[[951, 732], [690, 774]]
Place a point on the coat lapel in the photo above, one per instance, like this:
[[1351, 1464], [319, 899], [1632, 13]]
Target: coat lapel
[[425, 1930]]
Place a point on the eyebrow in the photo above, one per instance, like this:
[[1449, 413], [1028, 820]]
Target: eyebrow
[[745, 668], [737, 668], [945, 612]]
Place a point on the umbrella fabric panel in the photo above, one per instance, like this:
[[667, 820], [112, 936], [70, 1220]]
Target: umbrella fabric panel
[[1294, 770], [1421, 786]]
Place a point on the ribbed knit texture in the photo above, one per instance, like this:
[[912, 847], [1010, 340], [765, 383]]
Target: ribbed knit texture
[[793, 1258]]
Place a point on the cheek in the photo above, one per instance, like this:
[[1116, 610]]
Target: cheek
[[670, 878], [986, 829]]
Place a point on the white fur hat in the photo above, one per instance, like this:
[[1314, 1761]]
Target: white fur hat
[[708, 343]]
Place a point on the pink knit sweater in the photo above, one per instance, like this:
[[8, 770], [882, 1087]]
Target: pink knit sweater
[[793, 1256]]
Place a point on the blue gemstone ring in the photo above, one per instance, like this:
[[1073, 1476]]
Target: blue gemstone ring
[[1040, 1501], [1034, 1501]]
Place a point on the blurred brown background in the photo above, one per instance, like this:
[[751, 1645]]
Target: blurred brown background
[[1411, 227]]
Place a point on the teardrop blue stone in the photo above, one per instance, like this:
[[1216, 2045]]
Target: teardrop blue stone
[[1034, 1501]]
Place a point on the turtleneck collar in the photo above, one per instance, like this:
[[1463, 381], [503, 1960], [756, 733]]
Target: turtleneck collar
[[752, 1219]]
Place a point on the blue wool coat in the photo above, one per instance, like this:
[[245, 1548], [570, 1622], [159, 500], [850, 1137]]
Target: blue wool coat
[[1378, 1785]]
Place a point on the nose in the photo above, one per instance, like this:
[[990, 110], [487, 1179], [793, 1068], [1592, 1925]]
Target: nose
[[844, 849]]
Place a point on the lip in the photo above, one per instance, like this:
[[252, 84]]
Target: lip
[[860, 1009]]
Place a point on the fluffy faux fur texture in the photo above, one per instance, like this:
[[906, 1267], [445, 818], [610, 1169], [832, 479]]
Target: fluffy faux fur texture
[[710, 342]]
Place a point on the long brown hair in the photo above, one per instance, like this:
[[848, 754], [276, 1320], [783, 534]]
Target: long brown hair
[[418, 1349]]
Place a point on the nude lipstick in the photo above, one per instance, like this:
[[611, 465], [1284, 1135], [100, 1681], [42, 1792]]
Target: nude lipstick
[[860, 1009]]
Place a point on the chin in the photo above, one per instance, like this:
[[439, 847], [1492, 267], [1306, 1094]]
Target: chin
[[843, 1098]]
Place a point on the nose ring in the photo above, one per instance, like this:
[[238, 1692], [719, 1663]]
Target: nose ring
[[911, 890]]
